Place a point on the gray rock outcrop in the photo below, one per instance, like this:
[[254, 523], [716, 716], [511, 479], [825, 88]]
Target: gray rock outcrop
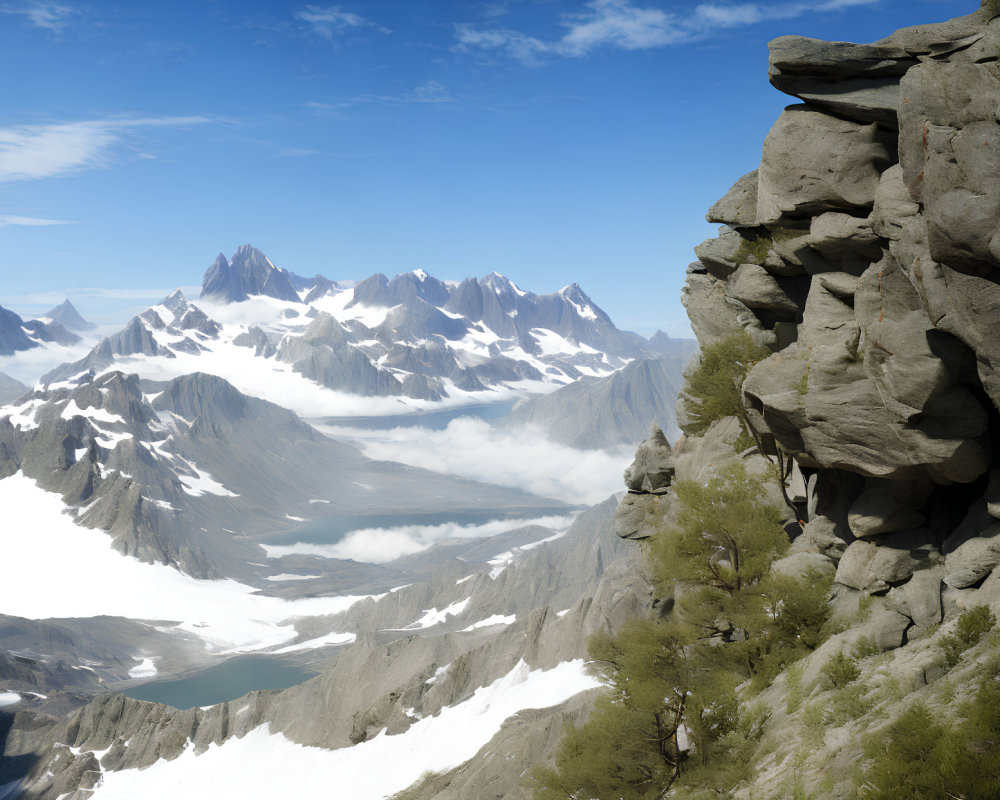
[[864, 253]]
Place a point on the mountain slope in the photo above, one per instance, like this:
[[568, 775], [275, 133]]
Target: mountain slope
[[17, 334], [188, 471], [608, 412], [66, 315], [420, 698], [10, 389]]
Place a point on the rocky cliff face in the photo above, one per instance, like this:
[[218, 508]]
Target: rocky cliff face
[[864, 252]]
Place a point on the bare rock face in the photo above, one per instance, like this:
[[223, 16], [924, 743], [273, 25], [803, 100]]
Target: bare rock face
[[814, 162], [865, 254]]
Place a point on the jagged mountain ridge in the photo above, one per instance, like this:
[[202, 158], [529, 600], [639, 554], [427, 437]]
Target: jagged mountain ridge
[[188, 471], [411, 337]]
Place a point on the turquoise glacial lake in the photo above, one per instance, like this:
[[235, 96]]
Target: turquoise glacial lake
[[223, 682]]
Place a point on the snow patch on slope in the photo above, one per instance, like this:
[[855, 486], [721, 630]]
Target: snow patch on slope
[[59, 569], [245, 767], [434, 617]]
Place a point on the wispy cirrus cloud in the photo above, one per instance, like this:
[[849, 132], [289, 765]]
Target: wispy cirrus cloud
[[428, 92], [332, 21], [53, 17], [32, 222], [618, 24], [31, 152]]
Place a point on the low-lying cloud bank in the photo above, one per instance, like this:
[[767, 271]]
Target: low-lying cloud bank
[[519, 458], [381, 545]]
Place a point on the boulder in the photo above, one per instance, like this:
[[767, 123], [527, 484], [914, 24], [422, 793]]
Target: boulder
[[894, 207], [886, 627], [856, 81], [652, 470], [966, 306], [861, 81], [714, 315], [640, 516], [872, 387], [720, 256], [798, 565], [756, 288], [973, 560], [814, 163], [868, 566], [920, 597], [844, 241], [739, 206], [950, 155]]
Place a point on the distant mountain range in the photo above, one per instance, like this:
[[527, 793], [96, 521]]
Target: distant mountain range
[[181, 438], [17, 334], [411, 337]]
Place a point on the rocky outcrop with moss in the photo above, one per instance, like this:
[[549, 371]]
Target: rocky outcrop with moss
[[864, 256]]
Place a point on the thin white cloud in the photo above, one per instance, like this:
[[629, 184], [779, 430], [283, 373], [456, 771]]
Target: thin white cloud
[[427, 93], [734, 15], [52, 17], [330, 22], [30, 152], [32, 222], [618, 24]]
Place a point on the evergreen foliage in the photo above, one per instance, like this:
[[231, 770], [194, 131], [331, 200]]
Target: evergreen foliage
[[922, 756], [841, 670], [972, 625], [712, 389], [675, 715], [628, 748]]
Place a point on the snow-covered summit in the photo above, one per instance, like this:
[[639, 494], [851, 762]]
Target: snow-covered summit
[[249, 272], [412, 339]]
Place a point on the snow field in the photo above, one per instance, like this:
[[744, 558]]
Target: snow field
[[89, 578], [372, 770]]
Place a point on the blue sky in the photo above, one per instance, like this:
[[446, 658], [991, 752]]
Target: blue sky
[[551, 140]]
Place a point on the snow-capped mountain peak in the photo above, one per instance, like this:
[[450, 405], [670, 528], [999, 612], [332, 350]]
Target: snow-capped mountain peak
[[249, 272], [412, 340]]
